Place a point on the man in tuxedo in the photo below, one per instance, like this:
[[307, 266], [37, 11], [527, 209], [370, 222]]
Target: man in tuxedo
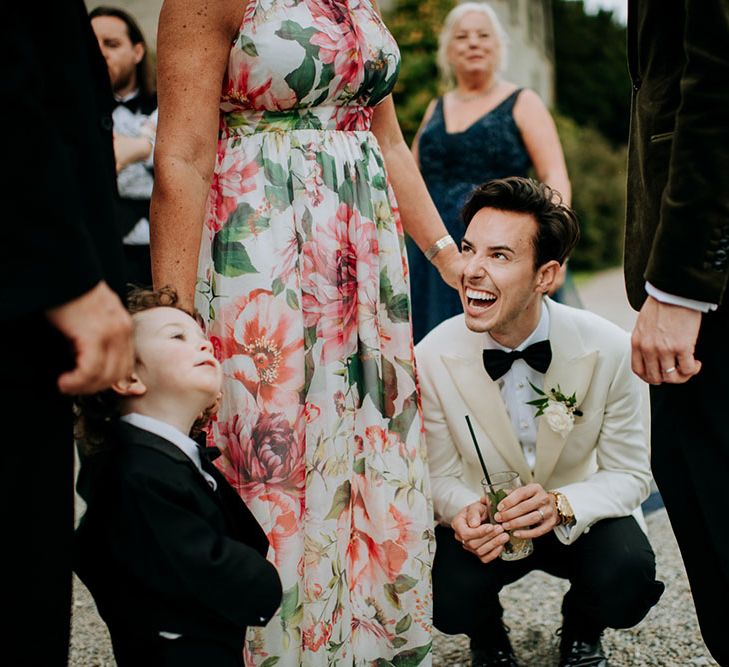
[[584, 463], [676, 270], [64, 329], [124, 48]]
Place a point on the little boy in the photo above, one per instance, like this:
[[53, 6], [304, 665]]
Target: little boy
[[173, 558]]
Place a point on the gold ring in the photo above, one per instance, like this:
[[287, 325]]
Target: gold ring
[[670, 370]]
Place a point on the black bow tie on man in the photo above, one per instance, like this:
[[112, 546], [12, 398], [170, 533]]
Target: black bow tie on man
[[538, 356]]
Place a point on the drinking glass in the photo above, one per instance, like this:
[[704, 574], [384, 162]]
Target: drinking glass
[[502, 484]]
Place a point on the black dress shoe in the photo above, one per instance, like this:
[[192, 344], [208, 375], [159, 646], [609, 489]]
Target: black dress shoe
[[494, 650], [493, 657], [577, 652]]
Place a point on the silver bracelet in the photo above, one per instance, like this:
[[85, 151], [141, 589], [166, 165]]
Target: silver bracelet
[[438, 246]]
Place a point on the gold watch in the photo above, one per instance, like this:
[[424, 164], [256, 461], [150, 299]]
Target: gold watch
[[565, 514]]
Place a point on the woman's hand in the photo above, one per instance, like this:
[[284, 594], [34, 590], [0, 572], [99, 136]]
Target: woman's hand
[[128, 150], [450, 264]]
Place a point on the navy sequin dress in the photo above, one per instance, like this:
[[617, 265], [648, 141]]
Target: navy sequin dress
[[453, 164]]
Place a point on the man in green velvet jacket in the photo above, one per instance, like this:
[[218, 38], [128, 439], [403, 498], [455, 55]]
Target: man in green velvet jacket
[[676, 269]]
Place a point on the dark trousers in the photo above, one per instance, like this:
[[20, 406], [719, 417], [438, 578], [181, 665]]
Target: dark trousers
[[611, 570], [182, 652], [38, 481], [690, 457], [138, 265]]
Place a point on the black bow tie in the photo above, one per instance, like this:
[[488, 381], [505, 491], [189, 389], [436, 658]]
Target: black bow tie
[[133, 104], [537, 355]]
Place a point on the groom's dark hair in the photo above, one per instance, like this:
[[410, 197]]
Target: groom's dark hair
[[557, 227]]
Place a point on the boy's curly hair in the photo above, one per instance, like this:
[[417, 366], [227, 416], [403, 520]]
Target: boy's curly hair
[[96, 414]]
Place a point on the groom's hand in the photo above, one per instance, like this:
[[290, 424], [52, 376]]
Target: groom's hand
[[663, 340], [473, 531], [528, 512]]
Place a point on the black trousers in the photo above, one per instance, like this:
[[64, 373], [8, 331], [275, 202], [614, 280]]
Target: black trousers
[[182, 652], [690, 457], [611, 569], [38, 480], [138, 265]]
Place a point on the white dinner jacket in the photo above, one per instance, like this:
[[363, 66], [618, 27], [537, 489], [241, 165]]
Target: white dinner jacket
[[602, 465]]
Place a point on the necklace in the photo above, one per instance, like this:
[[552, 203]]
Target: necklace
[[467, 97]]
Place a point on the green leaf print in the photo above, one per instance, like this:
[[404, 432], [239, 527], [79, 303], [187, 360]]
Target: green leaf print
[[292, 300], [275, 173], [293, 31], [248, 45], [278, 197], [379, 182], [398, 642], [402, 423], [391, 595], [328, 169], [270, 661], [231, 259], [277, 286], [398, 308], [403, 625], [404, 583], [244, 222], [412, 657], [301, 80], [341, 500], [359, 466], [290, 607]]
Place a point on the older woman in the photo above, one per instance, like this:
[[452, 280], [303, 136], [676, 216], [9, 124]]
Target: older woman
[[484, 127]]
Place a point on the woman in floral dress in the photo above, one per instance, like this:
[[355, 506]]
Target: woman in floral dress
[[274, 212]]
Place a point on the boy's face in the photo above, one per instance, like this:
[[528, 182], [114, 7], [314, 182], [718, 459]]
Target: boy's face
[[174, 360], [501, 290]]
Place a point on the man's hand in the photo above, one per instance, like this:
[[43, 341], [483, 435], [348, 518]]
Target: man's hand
[[100, 329], [528, 512], [128, 150], [664, 338], [484, 540]]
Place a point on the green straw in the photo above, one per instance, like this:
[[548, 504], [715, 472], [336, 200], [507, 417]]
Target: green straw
[[478, 451]]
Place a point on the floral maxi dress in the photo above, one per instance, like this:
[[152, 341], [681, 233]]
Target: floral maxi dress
[[303, 284]]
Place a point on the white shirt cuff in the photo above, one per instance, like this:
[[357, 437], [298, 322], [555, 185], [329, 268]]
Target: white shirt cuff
[[673, 300]]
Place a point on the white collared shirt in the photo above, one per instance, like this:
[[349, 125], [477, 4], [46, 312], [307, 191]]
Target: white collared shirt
[[164, 430], [515, 389]]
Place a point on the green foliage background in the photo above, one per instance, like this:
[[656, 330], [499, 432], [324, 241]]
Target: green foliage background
[[593, 100]]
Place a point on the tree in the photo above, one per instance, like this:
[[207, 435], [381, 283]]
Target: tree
[[592, 81], [415, 24]]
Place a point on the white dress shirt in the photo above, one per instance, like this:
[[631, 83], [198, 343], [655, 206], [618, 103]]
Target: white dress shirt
[[516, 391], [164, 430], [673, 300]]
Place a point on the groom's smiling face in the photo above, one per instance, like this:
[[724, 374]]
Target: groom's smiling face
[[501, 290]]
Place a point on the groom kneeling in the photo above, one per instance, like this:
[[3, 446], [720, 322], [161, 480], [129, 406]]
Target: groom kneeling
[[585, 466]]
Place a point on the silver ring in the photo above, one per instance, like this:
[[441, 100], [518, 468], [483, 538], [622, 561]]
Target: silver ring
[[541, 513], [670, 370]]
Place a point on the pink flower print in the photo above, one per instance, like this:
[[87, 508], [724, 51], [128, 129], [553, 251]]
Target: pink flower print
[[241, 89], [232, 178], [271, 365], [339, 47], [339, 272], [315, 636]]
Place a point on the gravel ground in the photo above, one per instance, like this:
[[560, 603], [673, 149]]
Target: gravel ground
[[668, 637]]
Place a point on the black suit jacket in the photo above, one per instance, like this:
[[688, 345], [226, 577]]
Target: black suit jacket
[[677, 233], [59, 234], [161, 551]]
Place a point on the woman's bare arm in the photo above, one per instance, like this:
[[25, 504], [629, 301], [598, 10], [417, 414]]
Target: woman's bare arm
[[193, 45]]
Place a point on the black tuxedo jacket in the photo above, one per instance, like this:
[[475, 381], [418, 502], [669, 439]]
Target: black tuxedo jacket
[[161, 551], [59, 233], [677, 234]]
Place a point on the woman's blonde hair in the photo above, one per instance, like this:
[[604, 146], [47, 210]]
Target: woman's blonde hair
[[446, 35]]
